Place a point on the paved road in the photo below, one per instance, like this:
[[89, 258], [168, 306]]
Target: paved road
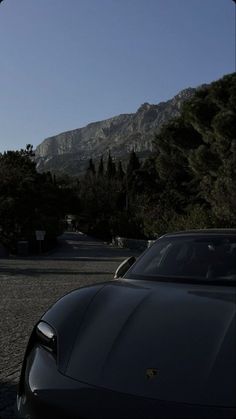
[[29, 286]]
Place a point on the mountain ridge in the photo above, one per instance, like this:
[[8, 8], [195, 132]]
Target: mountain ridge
[[70, 151]]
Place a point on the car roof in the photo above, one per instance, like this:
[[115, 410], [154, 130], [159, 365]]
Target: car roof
[[202, 232]]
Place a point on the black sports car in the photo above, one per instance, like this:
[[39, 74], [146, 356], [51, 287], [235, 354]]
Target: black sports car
[[159, 341]]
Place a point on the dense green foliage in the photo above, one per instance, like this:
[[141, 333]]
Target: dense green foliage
[[190, 181], [196, 157], [29, 201]]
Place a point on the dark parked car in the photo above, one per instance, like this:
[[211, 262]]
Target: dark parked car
[[159, 341]]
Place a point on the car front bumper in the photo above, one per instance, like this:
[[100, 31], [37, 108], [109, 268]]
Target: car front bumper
[[46, 393]]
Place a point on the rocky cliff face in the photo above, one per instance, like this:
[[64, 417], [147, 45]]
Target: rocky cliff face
[[70, 151]]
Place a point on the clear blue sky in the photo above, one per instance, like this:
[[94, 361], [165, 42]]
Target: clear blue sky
[[65, 63]]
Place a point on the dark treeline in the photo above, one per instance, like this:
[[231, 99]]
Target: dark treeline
[[29, 201], [188, 182]]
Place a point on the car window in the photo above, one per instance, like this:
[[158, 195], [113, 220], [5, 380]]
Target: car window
[[206, 258]]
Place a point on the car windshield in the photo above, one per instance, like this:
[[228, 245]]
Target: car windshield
[[188, 258]]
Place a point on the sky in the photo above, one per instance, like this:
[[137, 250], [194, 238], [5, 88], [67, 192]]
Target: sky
[[66, 63]]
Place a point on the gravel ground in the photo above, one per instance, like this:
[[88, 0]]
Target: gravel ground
[[29, 286]]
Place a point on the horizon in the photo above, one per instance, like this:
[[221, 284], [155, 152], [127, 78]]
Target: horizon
[[130, 113], [114, 116], [64, 68]]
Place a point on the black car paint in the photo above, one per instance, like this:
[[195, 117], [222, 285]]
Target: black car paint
[[49, 394], [66, 316], [109, 334]]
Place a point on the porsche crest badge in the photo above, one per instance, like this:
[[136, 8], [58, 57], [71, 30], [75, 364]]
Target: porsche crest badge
[[151, 373]]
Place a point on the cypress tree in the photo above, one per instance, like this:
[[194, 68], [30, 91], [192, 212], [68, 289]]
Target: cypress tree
[[120, 171], [101, 168], [133, 163], [111, 167], [91, 168]]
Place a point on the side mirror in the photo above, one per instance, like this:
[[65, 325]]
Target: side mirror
[[123, 267]]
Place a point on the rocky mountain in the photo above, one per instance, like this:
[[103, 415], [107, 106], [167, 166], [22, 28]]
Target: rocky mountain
[[70, 151]]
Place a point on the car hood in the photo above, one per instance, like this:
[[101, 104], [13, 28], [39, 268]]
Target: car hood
[[167, 341]]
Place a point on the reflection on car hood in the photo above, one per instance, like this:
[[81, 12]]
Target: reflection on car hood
[[166, 341]]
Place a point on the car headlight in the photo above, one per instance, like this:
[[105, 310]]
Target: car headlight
[[46, 336]]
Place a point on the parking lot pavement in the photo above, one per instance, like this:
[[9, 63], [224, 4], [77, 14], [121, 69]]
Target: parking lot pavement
[[29, 286]]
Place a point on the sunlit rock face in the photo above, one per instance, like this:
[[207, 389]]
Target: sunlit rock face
[[70, 151]]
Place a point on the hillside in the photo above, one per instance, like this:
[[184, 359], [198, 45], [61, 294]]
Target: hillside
[[70, 151]]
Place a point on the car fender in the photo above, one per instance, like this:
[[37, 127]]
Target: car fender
[[66, 316]]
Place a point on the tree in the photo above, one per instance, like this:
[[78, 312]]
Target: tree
[[91, 168], [101, 168], [213, 163], [111, 167], [28, 200], [133, 164], [196, 154], [120, 172]]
